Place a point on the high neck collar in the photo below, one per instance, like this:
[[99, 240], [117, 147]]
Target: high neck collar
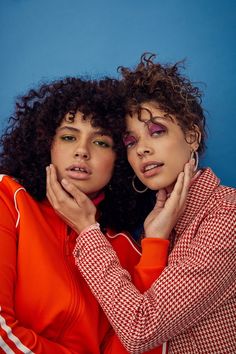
[[201, 189], [99, 198]]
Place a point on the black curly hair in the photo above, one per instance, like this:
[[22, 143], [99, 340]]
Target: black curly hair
[[26, 143]]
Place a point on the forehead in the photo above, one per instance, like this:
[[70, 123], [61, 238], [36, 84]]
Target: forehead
[[149, 112], [78, 122]]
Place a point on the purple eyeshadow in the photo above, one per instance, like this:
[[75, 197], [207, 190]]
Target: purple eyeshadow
[[153, 128]]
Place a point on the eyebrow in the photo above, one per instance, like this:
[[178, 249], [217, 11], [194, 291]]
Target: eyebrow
[[147, 121], [77, 130]]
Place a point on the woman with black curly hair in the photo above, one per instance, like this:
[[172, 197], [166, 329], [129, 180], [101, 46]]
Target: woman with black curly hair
[[192, 304], [45, 304]]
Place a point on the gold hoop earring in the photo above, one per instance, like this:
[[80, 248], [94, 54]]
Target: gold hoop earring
[[135, 188], [194, 155]]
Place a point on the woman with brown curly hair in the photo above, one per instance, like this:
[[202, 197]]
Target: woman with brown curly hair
[[45, 304], [192, 304]]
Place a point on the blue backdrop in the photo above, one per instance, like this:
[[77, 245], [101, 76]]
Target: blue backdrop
[[49, 39]]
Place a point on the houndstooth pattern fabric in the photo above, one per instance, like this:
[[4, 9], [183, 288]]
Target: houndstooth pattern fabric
[[193, 303]]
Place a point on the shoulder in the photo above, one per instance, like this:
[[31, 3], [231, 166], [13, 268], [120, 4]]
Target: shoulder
[[9, 189], [219, 213], [9, 185], [211, 206], [226, 196], [213, 192]]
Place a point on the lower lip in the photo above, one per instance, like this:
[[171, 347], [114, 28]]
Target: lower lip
[[78, 175], [154, 171]]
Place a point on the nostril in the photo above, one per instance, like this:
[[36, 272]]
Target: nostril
[[81, 155]]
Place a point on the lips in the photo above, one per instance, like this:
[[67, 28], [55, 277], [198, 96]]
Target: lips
[[79, 168], [79, 172], [148, 166]]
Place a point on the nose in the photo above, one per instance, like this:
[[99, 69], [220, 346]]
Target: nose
[[81, 152], [143, 150]]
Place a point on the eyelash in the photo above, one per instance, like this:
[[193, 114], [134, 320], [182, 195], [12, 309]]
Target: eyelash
[[68, 138], [100, 143], [129, 141]]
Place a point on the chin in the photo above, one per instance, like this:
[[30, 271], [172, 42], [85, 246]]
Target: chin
[[168, 185]]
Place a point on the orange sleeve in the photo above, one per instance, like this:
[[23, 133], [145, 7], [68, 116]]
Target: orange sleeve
[[15, 338], [152, 262]]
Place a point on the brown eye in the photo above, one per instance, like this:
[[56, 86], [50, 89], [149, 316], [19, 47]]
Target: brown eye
[[101, 143], [68, 138]]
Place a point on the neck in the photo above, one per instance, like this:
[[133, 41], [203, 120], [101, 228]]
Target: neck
[[170, 188]]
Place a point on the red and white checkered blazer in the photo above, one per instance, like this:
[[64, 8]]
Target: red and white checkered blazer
[[192, 305]]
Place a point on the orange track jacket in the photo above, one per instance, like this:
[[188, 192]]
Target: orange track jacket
[[45, 305]]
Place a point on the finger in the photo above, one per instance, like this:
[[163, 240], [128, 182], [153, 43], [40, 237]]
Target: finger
[[52, 197], [49, 192], [161, 199], [55, 193], [75, 193], [188, 172], [177, 190], [174, 201]]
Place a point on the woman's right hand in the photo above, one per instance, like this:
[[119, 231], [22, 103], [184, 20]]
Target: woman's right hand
[[167, 210], [72, 205]]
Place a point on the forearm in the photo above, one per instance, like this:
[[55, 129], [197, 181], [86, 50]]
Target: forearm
[[170, 306]]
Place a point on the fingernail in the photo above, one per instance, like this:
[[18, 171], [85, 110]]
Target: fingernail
[[64, 181]]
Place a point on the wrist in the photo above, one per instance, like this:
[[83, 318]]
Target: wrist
[[161, 236], [88, 228]]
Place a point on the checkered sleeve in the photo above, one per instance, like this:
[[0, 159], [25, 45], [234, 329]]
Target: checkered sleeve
[[187, 290]]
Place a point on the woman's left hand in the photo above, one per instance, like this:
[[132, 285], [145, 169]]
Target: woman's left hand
[[72, 205], [167, 210]]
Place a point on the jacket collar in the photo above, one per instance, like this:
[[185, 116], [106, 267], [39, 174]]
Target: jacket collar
[[199, 193]]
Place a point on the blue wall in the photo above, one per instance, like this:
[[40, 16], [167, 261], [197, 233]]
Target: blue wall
[[48, 39]]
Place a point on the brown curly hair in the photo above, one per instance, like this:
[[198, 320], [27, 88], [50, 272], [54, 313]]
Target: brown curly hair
[[175, 95], [173, 92], [25, 146]]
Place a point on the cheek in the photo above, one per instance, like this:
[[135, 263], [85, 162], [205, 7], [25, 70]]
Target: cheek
[[53, 153], [180, 157], [107, 164], [57, 154]]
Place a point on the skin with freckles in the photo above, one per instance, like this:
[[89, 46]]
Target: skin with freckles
[[157, 149]]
